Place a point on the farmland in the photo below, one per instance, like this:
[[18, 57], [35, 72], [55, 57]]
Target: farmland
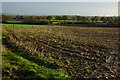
[[61, 40], [74, 52]]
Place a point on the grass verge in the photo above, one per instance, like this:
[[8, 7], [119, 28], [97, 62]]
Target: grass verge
[[17, 67]]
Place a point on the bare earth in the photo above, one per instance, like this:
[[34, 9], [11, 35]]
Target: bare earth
[[86, 52]]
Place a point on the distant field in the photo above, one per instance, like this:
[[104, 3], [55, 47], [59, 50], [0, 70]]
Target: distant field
[[84, 52], [22, 26], [14, 21]]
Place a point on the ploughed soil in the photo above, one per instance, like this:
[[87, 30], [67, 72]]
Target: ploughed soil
[[85, 52]]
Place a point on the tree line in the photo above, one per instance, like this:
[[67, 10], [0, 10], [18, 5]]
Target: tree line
[[64, 18]]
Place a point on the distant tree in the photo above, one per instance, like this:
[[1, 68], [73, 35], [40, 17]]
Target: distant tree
[[0, 18], [73, 18], [17, 16], [104, 19], [49, 18], [21, 17], [78, 18], [118, 20], [83, 19], [30, 19], [38, 18], [6, 18], [43, 17], [110, 19], [58, 18], [33, 17], [97, 18], [93, 19], [64, 17], [88, 19]]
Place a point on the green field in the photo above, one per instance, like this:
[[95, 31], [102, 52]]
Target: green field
[[22, 25], [14, 21]]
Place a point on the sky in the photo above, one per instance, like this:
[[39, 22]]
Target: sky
[[61, 8], [60, 0]]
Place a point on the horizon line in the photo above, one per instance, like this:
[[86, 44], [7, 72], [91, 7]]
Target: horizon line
[[53, 15]]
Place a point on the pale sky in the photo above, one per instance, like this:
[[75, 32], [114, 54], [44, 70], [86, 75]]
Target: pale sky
[[60, 0], [61, 8]]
